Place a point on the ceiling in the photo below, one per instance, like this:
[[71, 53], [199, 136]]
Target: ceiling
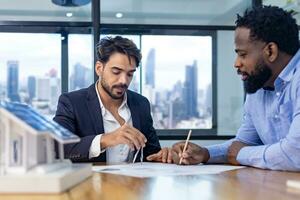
[[169, 12]]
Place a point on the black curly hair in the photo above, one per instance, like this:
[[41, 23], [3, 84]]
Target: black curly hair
[[271, 24], [110, 45]]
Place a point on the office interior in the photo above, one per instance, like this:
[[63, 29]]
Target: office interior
[[186, 71]]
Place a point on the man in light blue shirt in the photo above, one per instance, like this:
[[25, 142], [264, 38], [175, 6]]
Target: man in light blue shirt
[[268, 60]]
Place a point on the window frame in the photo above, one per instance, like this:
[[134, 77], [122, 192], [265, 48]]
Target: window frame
[[63, 28], [140, 30]]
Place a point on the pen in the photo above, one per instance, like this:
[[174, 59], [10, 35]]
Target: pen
[[135, 155], [142, 156], [185, 145]]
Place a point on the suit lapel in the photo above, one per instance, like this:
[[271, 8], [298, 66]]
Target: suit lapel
[[94, 109], [134, 110], [133, 106]]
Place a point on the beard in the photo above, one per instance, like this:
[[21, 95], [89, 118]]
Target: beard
[[258, 78], [109, 90]]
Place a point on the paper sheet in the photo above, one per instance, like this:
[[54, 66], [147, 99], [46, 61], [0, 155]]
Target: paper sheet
[[148, 169]]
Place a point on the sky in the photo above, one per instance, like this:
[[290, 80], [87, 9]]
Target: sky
[[37, 53], [173, 53]]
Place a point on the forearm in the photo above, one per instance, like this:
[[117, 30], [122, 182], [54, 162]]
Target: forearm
[[278, 156], [218, 152]]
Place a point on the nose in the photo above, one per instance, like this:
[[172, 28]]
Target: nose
[[237, 63], [123, 79]]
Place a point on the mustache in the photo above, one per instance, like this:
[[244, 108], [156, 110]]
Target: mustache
[[123, 86], [239, 72]]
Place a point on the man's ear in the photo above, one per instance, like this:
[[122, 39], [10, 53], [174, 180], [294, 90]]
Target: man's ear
[[271, 51], [99, 68]]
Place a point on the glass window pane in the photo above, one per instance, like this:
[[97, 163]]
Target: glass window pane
[[177, 79], [135, 83], [81, 69], [230, 87], [170, 12], [44, 10], [30, 69]]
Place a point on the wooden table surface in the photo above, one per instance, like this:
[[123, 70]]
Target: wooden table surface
[[247, 183]]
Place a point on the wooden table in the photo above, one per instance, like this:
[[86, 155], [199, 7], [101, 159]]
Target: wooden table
[[247, 183]]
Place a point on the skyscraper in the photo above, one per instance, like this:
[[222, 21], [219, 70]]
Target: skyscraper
[[191, 90], [43, 87], [150, 67], [31, 86], [55, 91], [13, 80], [78, 78]]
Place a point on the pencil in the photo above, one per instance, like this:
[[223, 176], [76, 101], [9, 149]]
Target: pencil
[[185, 145]]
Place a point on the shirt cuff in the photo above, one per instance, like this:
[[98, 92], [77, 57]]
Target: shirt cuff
[[216, 154], [95, 148], [252, 156]]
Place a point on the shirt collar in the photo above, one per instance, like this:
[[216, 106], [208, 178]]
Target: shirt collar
[[288, 72], [103, 109]]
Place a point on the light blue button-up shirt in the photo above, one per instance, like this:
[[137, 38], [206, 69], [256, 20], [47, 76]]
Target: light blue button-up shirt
[[271, 125]]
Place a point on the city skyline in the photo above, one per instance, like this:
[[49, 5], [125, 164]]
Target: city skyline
[[173, 55], [179, 105], [171, 79], [199, 47], [182, 107]]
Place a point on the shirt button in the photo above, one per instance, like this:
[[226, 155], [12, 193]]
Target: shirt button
[[277, 93], [276, 116]]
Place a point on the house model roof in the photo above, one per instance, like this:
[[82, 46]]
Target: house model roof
[[38, 122]]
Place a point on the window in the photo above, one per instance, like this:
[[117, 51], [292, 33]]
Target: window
[[81, 69], [177, 84], [186, 70], [177, 79], [30, 69], [230, 89]]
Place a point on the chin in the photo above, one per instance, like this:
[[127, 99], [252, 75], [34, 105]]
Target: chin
[[116, 96]]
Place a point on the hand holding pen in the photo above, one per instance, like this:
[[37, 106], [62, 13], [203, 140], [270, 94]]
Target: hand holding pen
[[126, 134], [187, 153], [185, 146]]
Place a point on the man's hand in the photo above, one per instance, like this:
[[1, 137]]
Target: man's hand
[[164, 156], [126, 134], [193, 154], [233, 151]]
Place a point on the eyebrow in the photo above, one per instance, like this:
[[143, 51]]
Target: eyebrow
[[118, 68]]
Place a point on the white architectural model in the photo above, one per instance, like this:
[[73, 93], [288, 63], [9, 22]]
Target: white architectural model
[[28, 161]]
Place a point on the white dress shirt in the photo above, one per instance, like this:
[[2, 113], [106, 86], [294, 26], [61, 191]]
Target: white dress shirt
[[120, 153]]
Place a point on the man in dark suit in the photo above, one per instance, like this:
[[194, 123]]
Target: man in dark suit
[[112, 122]]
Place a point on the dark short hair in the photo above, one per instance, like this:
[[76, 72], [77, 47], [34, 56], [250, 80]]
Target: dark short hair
[[271, 24], [110, 45]]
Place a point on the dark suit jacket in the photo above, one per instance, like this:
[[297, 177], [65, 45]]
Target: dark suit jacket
[[80, 112]]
